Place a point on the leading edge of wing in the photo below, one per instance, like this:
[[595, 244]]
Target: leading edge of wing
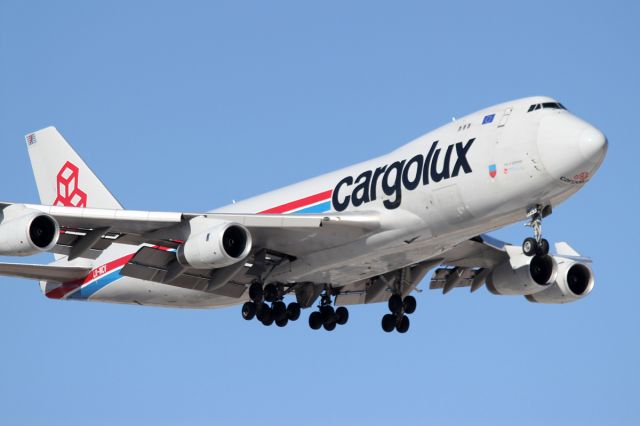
[[138, 221], [366, 221]]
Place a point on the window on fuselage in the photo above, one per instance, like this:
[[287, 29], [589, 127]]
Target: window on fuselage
[[551, 105], [546, 105]]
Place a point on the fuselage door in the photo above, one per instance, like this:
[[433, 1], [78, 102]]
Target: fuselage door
[[505, 117]]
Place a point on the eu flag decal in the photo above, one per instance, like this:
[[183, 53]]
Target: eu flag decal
[[488, 118]]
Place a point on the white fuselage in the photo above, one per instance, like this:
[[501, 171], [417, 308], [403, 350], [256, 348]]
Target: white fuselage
[[479, 177]]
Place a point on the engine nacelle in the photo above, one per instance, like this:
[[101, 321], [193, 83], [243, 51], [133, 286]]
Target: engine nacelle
[[575, 280], [24, 232], [219, 246], [522, 275]]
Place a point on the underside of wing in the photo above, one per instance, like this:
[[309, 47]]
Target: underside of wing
[[468, 264]]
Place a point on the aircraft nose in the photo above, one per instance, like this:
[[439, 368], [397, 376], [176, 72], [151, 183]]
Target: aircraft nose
[[570, 149], [593, 145]]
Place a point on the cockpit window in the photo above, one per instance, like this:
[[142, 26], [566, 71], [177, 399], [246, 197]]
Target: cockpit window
[[546, 105], [552, 105]]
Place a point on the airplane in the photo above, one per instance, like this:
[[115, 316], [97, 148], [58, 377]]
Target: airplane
[[368, 233]]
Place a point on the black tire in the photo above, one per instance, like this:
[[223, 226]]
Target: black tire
[[543, 247], [293, 311], [403, 324], [267, 318], [409, 304], [329, 326], [270, 293], [388, 323], [395, 304], [342, 315], [529, 246], [255, 291], [315, 320], [327, 313], [248, 311], [282, 322], [262, 310], [279, 310]]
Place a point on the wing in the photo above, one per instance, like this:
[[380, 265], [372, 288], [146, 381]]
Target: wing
[[469, 263], [466, 265], [87, 232], [43, 272]]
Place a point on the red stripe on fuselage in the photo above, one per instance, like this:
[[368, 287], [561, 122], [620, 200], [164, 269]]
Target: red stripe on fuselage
[[283, 208], [70, 286]]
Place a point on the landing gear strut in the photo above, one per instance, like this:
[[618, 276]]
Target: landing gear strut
[[537, 245], [277, 312], [398, 319], [326, 316]]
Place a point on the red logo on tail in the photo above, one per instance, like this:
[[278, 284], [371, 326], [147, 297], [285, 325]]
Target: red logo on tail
[[67, 185]]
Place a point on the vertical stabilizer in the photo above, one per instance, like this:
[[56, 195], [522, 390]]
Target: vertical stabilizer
[[63, 179]]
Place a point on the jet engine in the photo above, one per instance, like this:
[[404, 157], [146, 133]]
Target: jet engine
[[575, 281], [28, 233], [224, 244], [522, 275]]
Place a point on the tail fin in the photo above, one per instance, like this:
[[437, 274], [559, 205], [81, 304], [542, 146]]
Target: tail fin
[[63, 179]]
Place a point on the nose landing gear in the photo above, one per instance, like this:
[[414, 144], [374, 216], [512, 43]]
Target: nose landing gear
[[537, 245]]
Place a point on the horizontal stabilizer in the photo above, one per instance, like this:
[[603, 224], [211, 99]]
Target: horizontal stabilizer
[[564, 249], [43, 272]]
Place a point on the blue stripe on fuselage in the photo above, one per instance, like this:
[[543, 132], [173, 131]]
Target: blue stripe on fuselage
[[90, 289], [318, 208]]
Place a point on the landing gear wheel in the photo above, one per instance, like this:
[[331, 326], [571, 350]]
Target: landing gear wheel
[[282, 322], [267, 318], [279, 310], [270, 293], [262, 310], [395, 303], [342, 315], [543, 247], [315, 320], [388, 322], [293, 311], [403, 324], [529, 246], [255, 291], [409, 304], [329, 326], [327, 313], [248, 311]]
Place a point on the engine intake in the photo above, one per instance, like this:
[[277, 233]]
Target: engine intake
[[530, 278], [219, 246], [28, 233], [575, 281]]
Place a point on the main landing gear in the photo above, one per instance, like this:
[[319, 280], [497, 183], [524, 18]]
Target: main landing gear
[[537, 245], [398, 319], [326, 316], [277, 312]]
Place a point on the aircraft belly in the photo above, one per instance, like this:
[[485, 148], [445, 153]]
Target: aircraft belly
[[140, 292]]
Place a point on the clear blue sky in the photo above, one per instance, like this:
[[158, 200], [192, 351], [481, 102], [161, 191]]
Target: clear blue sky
[[188, 105]]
